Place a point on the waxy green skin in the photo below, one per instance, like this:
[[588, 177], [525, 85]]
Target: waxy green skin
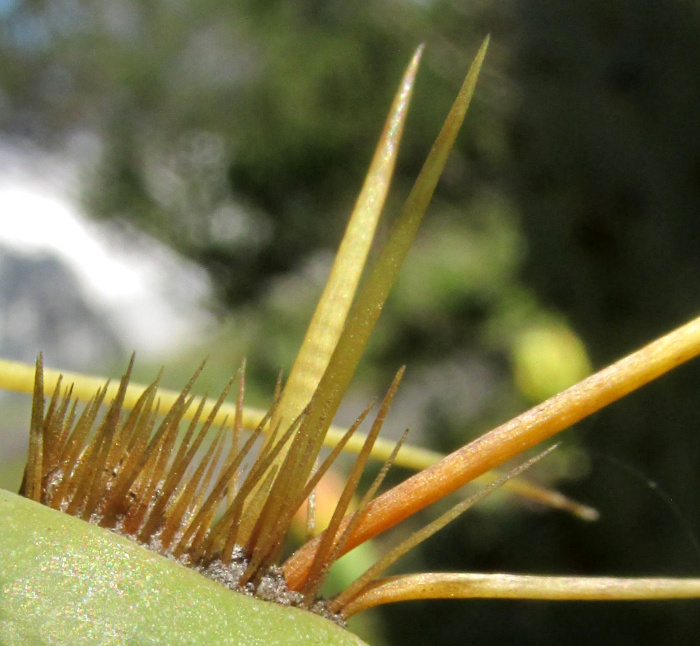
[[64, 581]]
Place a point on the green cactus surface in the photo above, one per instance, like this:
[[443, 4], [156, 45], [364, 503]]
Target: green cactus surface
[[66, 582]]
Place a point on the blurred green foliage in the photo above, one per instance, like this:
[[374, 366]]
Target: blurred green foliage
[[240, 133]]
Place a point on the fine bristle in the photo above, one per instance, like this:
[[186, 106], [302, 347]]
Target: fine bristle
[[341, 602], [223, 502], [320, 565], [31, 486], [186, 494]]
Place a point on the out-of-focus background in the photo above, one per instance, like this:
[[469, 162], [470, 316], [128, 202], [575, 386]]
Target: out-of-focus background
[[175, 177]]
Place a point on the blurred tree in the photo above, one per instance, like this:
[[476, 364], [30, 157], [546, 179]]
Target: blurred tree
[[226, 130]]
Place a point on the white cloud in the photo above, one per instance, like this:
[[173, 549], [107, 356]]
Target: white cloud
[[153, 297]]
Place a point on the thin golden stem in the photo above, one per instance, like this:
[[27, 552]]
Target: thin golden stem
[[19, 377], [514, 437], [354, 589], [513, 586]]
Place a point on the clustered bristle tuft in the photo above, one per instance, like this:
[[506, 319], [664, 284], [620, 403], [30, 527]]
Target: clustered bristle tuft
[[160, 486], [189, 496], [130, 472]]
